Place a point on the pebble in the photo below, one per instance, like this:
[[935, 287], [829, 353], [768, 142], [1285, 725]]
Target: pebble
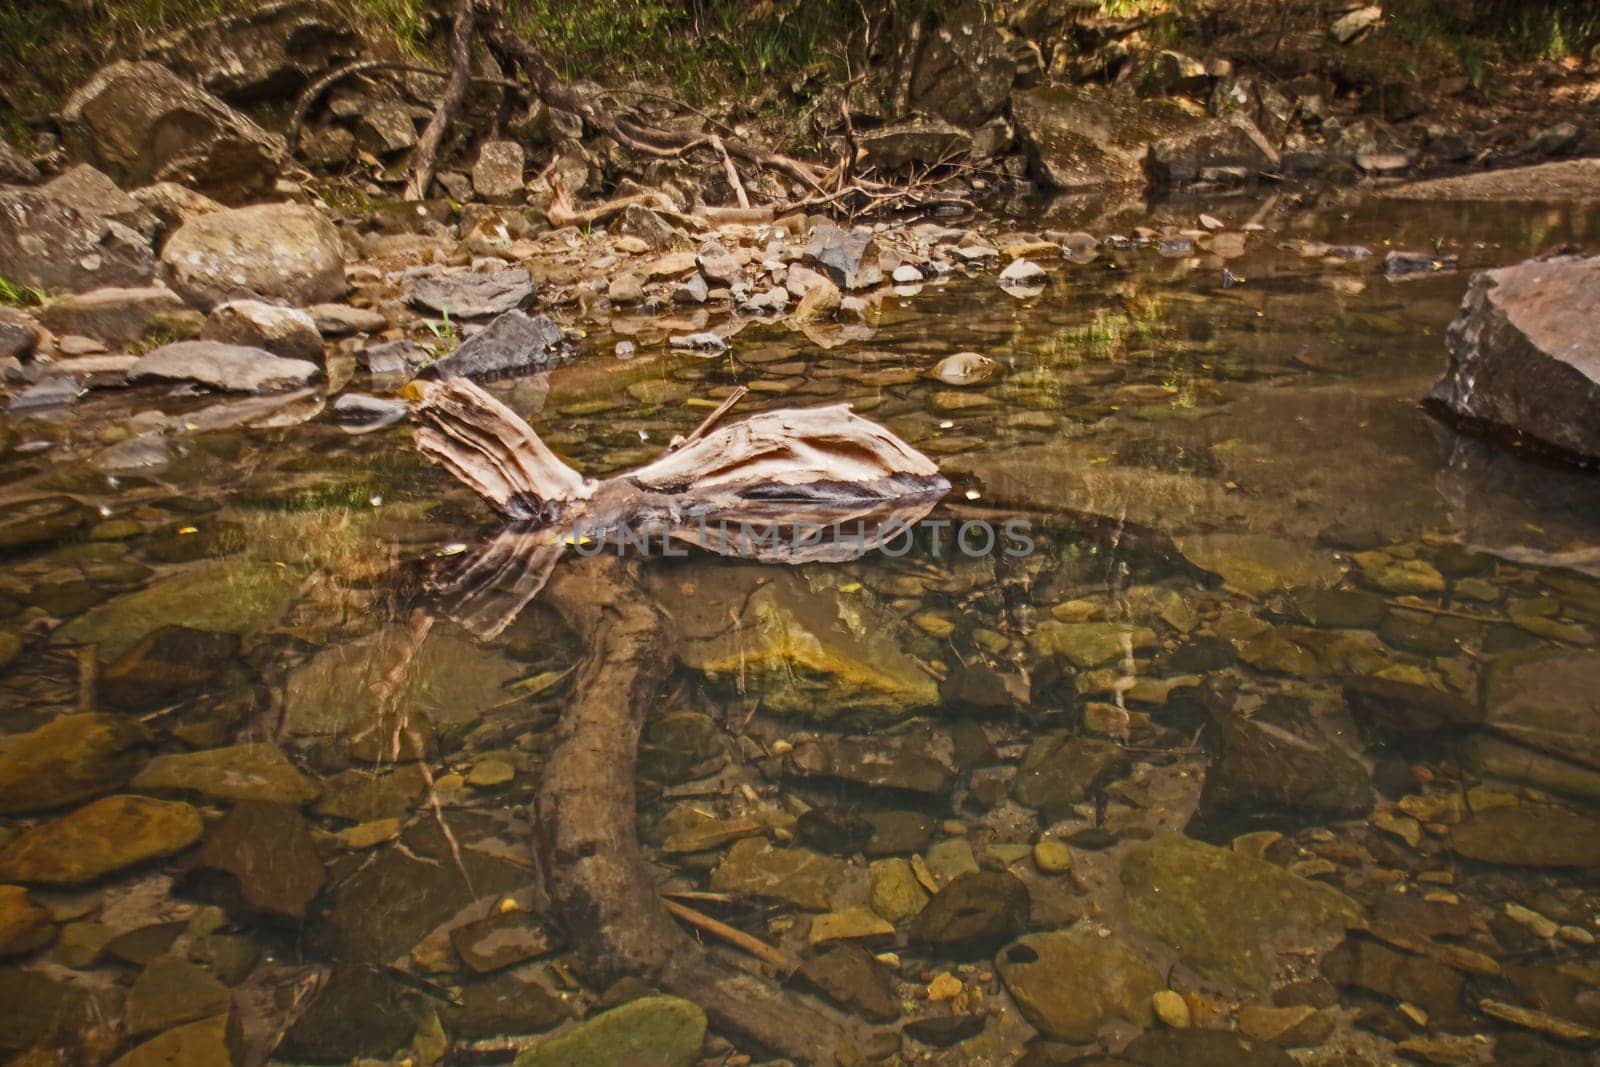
[[1052, 857], [1172, 1009]]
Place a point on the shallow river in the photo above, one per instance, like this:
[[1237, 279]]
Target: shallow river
[[1269, 725]]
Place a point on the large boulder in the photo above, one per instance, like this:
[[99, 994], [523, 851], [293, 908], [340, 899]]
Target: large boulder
[[894, 148], [1525, 355], [143, 123], [262, 52], [1087, 137], [48, 243], [286, 253], [963, 70]]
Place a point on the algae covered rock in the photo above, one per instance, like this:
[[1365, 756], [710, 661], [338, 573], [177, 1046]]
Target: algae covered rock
[[105, 836], [815, 651], [659, 1030], [73, 758], [1227, 914], [1070, 982]]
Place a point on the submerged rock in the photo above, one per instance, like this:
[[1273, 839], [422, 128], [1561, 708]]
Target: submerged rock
[[1069, 983], [1548, 699], [660, 1030], [25, 924], [756, 867], [850, 977], [814, 652], [972, 915], [1529, 835], [270, 252], [1059, 771], [514, 343], [144, 124], [255, 771], [73, 758], [206, 1042], [165, 666], [170, 992], [234, 368], [104, 836], [1525, 357], [1202, 1048], [1227, 914], [259, 861]]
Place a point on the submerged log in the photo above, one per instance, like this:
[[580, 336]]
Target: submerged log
[[774, 470]]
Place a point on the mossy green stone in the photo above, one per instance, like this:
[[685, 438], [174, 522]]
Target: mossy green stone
[[238, 598], [1227, 914], [658, 1030]]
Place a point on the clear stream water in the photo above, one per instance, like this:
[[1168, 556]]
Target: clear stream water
[[1236, 506]]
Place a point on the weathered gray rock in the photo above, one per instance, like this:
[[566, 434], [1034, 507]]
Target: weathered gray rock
[[469, 294], [850, 258], [497, 175], [114, 317], [230, 367], [48, 244], [514, 343], [1525, 355], [260, 52], [280, 330], [91, 192], [962, 71], [1084, 138], [19, 334], [172, 205], [270, 252], [358, 413], [386, 127], [341, 320], [142, 123], [894, 148]]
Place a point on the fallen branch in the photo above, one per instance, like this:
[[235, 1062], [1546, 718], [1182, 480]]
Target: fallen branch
[[762, 951], [600, 887], [313, 92], [455, 94]]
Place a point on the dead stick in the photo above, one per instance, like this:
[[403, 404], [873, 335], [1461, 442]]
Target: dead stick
[[712, 419], [738, 938]]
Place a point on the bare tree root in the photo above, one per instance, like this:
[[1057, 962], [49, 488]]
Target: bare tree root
[[600, 885], [312, 93], [455, 94]]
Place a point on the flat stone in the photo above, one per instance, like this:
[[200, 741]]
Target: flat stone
[[1059, 771], [756, 867], [869, 763], [165, 666], [342, 320], [508, 1002], [497, 175], [68, 760], [1069, 983], [234, 368], [103, 836], [658, 1030], [850, 977], [1549, 700], [1202, 1048], [502, 940], [259, 860], [469, 294], [170, 992], [1529, 835], [237, 598], [25, 924], [114, 317], [896, 894], [1228, 914], [198, 1044], [1259, 564], [972, 915], [1089, 644], [283, 331], [254, 771]]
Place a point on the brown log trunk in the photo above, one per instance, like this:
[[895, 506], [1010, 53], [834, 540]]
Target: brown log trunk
[[600, 885]]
